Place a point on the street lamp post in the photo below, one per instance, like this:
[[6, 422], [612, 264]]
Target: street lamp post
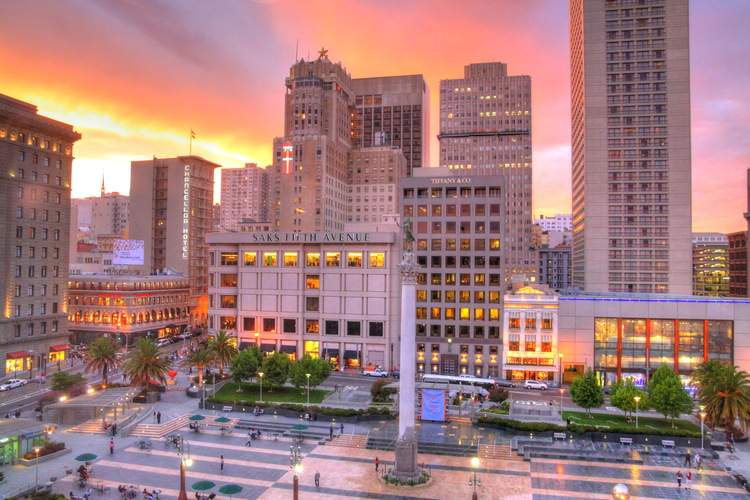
[[295, 462], [260, 374], [637, 400], [37, 450], [184, 462], [703, 419], [562, 391], [475, 482], [561, 368], [308, 387]]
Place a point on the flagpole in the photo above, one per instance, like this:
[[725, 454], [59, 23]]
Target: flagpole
[[191, 143]]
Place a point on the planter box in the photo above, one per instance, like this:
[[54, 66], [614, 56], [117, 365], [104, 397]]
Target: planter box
[[297, 414], [45, 458]]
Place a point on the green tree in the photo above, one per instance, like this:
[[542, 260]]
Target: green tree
[[586, 392], [101, 357], [380, 393], [224, 347], [62, 381], [145, 363], [728, 399], [318, 368], [276, 368], [200, 358], [244, 366], [664, 372], [670, 398], [623, 398]]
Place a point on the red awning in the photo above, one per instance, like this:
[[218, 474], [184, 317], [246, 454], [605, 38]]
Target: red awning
[[17, 355], [57, 348]]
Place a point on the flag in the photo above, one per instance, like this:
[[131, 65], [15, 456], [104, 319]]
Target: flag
[[192, 134]]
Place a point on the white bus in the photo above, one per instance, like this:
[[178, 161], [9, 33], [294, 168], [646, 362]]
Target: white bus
[[465, 380]]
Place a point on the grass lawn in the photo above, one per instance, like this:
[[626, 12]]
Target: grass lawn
[[604, 419], [285, 394]]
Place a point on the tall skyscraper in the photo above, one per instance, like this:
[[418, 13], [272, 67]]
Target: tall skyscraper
[[630, 79], [485, 129], [172, 209], [394, 111], [36, 157], [244, 196], [331, 143]]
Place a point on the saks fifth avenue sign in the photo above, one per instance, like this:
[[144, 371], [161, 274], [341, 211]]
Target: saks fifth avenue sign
[[310, 237]]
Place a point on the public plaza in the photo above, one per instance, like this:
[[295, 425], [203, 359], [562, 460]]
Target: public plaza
[[543, 470]]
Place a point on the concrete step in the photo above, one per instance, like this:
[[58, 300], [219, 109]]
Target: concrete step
[[498, 452], [350, 441]]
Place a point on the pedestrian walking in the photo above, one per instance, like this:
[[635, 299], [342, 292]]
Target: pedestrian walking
[[111, 447], [249, 438], [698, 463], [317, 478], [377, 463], [18, 413], [222, 463], [341, 428], [154, 417], [331, 431], [688, 459], [731, 439], [688, 479], [114, 428], [679, 479], [158, 417]]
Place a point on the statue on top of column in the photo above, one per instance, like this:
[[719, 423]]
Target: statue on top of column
[[408, 236]]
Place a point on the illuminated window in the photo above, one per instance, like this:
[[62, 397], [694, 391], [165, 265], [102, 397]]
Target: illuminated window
[[269, 259], [312, 326], [377, 259], [290, 259], [228, 259], [228, 301], [435, 313], [531, 322], [464, 314], [333, 259], [228, 280], [312, 282], [450, 313], [354, 259], [312, 259], [250, 258], [479, 314], [228, 322]]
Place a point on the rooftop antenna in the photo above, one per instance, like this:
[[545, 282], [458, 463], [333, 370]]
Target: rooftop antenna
[[296, 51]]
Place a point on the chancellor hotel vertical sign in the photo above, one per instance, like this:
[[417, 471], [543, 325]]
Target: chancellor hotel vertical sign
[[185, 212]]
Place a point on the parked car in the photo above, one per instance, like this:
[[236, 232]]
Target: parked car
[[163, 341], [535, 384], [377, 372], [396, 373], [504, 383], [12, 384]]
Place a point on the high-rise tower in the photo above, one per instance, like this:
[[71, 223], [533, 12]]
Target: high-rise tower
[[485, 129], [244, 196], [630, 85]]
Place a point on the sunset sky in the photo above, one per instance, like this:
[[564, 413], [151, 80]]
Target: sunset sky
[[135, 76]]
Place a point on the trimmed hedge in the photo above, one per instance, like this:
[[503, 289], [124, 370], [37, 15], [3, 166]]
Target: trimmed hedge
[[516, 425], [321, 410]]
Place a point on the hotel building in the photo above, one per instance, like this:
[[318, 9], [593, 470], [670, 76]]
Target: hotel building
[[127, 307], [457, 223], [36, 157], [737, 264], [172, 198], [630, 85], [331, 295], [485, 128]]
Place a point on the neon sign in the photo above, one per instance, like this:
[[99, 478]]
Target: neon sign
[[185, 212], [287, 156]]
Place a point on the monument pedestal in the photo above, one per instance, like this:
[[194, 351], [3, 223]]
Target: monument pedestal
[[406, 459]]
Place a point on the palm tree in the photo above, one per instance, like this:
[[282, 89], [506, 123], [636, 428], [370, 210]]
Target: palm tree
[[224, 348], [102, 357], [200, 359], [144, 363], [727, 398], [705, 376]]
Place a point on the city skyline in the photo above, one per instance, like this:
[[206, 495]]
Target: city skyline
[[147, 80]]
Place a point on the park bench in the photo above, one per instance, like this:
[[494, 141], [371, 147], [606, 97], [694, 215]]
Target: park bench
[[626, 441], [226, 409], [538, 412], [667, 444], [560, 435]]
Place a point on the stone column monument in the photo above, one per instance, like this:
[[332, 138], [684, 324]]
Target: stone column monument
[[406, 445]]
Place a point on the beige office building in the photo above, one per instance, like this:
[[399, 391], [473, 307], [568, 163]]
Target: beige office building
[[244, 196], [36, 157], [172, 202], [630, 78], [485, 129]]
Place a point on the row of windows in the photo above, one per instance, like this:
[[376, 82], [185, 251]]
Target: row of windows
[[464, 297], [464, 331], [32, 212], [454, 192], [34, 176], [463, 349], [30, 309], [31, 252], [124, 318], [32, 272], [311, 259], [32, 231], [32, 195], [289, 325], [464, 279], [30, 328], [98, 285], [124, 302], [450, 210], [35, 158]]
